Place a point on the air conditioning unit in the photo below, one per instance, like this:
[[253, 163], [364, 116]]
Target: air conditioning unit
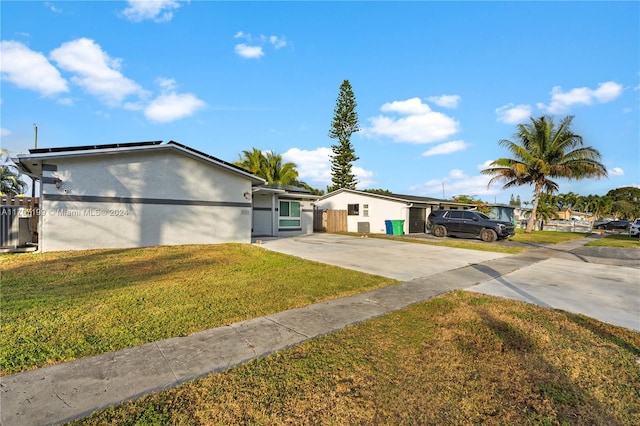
[[364, 228]]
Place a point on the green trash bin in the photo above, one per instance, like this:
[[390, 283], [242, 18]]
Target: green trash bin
[[398, 227]]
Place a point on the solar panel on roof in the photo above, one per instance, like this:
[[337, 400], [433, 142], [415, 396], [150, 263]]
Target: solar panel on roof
[[90, 147]]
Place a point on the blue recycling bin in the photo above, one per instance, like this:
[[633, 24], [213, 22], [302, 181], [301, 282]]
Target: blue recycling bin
[[389, 227]]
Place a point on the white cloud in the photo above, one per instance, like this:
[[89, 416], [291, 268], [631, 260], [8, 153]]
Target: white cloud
[[155, 10], [485, 164], [52, 7], [616, 171], [254, 46], [30, 70], [445, 101], [457, 183], [511, 114], [5, 132], [277, 42], [166, 84], [446, 148], [421, 124], [562, 101], [173, 106], [170, 106], [95, 71], [409, 107], [364, 177], [314, 167], [250, 52]]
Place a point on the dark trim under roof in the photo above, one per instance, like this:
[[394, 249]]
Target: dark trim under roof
[[391, 196], [89, 147], [47, 154], [414, 197], [288, 188]]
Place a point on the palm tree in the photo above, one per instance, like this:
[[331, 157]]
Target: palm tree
[[546, 210], [277, 172], [10, 181], [251, 161], [545, 151], [269, 167]]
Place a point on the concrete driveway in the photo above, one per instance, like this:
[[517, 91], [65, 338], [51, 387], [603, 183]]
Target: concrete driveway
[[394, 259], [597, 284]]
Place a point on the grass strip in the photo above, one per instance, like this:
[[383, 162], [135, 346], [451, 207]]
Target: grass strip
[[620, 240], [61, 306], [523, 240], [461, 358]]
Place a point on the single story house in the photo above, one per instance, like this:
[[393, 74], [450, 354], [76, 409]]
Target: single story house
[[575, 215], [282, 211], [368, 211], [138, 194], [502, 212]]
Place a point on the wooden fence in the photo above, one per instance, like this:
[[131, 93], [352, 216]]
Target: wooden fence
[[330, 221], [18, 221]]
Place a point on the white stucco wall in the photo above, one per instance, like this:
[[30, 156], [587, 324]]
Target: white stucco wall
[[265, 215], [263, 220], [379, 210], [165, 175]]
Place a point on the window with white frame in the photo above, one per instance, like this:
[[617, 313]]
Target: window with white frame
[[353, 209], [365, 210], [289, 214]]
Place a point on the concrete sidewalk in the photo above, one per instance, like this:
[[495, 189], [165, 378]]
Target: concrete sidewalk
[[72, 390]]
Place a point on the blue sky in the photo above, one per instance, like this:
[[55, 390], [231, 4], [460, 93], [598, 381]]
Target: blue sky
[[438, 84]]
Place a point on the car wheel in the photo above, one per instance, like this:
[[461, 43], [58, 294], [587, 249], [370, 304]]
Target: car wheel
[[440, 231], [488, 235]]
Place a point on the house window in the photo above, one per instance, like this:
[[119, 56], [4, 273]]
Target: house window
[[365, 210], [289, 214], [353, 209]]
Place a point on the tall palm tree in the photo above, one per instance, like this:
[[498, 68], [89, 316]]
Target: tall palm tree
[[278, 172], [545, 151], [546, 210], [268, 166], [251, 161]]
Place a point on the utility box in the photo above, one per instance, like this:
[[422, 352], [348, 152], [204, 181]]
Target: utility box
[[364, 228], [24, 231]]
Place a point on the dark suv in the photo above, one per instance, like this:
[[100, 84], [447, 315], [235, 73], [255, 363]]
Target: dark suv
[[469, 223]]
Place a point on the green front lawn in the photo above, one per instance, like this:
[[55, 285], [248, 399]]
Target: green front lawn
[[536, 237], [65, 305], [622, 240], [461, 358], [546, 237]]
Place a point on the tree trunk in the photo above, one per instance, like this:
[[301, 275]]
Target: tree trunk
[[534, 209]]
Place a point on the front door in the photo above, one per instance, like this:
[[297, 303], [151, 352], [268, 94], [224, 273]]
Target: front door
[[417, 220]]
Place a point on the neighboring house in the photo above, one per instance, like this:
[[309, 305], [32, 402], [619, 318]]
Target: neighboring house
[[502, 212], [137, 195], [368, 211], [282, 211], [568, 214]]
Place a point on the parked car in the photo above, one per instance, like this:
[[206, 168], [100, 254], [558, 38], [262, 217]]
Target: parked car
[[634, 229], [599, 222], [469, 223], [615, 224]]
